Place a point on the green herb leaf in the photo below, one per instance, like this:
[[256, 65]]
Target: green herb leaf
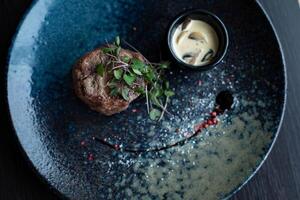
[[154, 114], [100, 69], [125, 93], [125, 59], [114, 91], [150, 76], [154, 97], [113, 83], [138, 72], [109, 50], [166, 84], [164, 65], [129, 79], [140, 90], [118, 74], [145, 70], [117, 41], [118, 50], [169, 93], [157, 92], [137, 64]]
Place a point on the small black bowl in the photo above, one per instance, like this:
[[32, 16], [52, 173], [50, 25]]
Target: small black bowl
[[212, 20]]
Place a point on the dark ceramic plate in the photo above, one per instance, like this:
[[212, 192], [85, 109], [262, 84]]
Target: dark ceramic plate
[[56, 130]]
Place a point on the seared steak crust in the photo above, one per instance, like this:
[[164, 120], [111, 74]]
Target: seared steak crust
[[93, 89]]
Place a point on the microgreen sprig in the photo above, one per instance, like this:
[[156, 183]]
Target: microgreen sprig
[[143, 77]]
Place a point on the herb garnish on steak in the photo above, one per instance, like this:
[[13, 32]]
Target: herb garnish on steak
[[109, 78]]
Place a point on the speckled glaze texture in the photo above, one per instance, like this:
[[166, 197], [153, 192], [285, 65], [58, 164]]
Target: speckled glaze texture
[[52, 124]]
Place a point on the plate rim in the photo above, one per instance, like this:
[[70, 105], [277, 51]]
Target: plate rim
[[258, 166], [28, 162]]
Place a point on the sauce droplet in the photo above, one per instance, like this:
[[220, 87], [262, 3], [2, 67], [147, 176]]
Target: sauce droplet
[[224, 100]]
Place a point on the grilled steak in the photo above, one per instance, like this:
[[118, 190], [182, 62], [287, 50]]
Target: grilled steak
[[93, 89]]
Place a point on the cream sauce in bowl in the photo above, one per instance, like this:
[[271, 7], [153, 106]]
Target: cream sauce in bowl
[[195, 42]]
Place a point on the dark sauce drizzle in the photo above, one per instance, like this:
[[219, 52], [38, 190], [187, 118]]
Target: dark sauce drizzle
[[224, 101]]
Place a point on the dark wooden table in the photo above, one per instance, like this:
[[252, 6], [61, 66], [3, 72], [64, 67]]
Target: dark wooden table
[[279, 177]]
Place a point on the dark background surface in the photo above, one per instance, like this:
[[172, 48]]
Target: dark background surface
[[279, 177]]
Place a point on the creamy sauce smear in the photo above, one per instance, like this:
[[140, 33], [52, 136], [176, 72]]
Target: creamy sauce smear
[[195, 42]]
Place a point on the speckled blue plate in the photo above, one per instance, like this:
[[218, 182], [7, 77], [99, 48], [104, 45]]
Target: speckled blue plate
[[56, 129]]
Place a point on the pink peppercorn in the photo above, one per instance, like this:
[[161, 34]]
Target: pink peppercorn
[[213, 114], [215, 121], [82, 143], [198, 127], [117, 147], [91, 157]]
